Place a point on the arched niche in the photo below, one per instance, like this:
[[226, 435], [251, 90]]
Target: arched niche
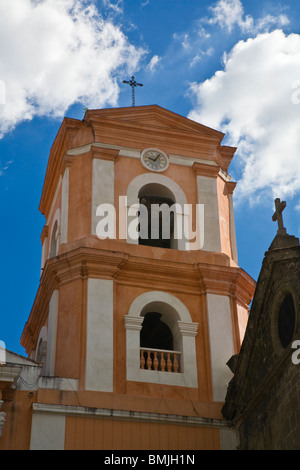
[[177, 317]]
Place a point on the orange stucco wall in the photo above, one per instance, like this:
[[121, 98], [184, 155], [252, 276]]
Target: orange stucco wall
[[69, 344], [17, 428], [99, 434]]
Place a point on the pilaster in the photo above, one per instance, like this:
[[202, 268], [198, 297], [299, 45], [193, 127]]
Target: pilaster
[[208, 196]]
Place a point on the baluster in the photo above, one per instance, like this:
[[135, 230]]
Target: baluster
[[149, 361], [162, 362], [142, 360], [169, 362], [175, 363], [155, 361]]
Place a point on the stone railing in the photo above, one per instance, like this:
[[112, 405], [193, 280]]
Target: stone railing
[[160, 360]]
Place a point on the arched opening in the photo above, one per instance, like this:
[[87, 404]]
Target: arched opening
[[156, 220], [159, 349], [53, 243], [155, 333], [286, 320], [154, 184]]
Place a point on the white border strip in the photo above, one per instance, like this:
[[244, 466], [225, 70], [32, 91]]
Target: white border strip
[[129, 415], [136, 153]]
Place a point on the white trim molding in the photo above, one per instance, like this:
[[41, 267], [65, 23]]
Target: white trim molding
[[103, 184], [221, 346], [47, 429], [99, 342], [207, 194], [52, 334], [161, 418]]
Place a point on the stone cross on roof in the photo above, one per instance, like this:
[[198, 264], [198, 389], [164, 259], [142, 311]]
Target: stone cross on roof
[[277, 216]]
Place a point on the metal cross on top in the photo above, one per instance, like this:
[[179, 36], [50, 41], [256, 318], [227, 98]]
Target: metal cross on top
[[280, 206], [133, 85]]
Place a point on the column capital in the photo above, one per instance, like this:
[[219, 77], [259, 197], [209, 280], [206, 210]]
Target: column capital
[[104, 153], [230, 186], [187, 329], [202, 169], [66, 162], [133, 323]]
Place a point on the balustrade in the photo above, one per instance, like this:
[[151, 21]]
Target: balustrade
[[160, 360]]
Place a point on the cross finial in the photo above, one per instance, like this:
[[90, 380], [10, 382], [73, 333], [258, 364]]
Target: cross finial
[[280, 206], [133, 84]]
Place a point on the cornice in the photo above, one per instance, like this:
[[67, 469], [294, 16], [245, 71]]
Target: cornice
[[130, 415], [142, 135], [127, 269], [64, 140], [227, 154], [154, 116], [226, 280]]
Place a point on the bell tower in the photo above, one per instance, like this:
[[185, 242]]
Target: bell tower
[[141, 300]]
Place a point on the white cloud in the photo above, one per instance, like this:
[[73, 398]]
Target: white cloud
[[117, 7], [229, 13], [255, 101], [5, 167], [198, 57], [202, 33], [153, 63], [54, 53]]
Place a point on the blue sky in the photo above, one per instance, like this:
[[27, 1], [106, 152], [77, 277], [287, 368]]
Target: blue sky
[[230, 64]]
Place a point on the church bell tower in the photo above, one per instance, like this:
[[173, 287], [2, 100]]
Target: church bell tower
[[141, 300]]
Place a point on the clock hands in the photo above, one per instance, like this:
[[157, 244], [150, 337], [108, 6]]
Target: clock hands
[[154, 160]]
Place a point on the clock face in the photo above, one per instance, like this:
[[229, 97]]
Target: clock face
[[155, 160]]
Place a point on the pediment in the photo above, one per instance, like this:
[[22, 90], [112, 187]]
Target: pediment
[[153, 117]]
